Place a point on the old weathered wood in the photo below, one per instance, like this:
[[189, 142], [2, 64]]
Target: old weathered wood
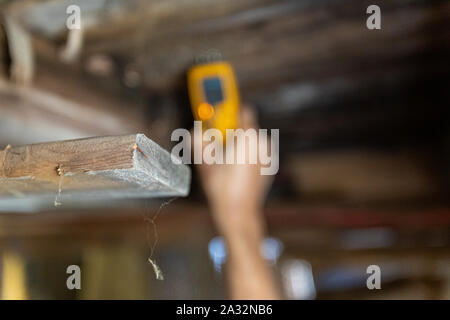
[[89, 169]]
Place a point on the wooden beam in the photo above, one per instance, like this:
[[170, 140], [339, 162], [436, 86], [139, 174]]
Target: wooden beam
[[92, 169], [282, 41], [364, 176], [53, 110]]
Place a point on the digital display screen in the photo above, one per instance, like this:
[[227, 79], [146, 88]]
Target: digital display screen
[[213, 90]]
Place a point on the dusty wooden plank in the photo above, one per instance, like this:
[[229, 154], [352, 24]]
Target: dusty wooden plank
[[91, 169], [74, 156]]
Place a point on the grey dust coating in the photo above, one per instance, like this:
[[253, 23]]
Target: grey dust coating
[[88, 171]]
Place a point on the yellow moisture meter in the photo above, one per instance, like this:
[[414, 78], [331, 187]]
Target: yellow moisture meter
[[214, 95]]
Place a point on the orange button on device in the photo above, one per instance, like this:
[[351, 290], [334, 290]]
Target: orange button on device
[[205, 111]]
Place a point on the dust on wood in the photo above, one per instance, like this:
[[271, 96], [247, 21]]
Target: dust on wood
[[92, 169]]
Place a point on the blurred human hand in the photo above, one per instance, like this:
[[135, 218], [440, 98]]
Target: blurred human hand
[[236, 192]]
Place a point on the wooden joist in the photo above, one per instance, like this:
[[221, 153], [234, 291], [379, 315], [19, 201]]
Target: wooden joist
[[92, 169], [58, 107]]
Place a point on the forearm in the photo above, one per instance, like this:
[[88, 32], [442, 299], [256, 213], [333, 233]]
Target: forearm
[[248, 274]]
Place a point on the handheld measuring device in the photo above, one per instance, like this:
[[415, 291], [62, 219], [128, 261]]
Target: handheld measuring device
[[214, 95]]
